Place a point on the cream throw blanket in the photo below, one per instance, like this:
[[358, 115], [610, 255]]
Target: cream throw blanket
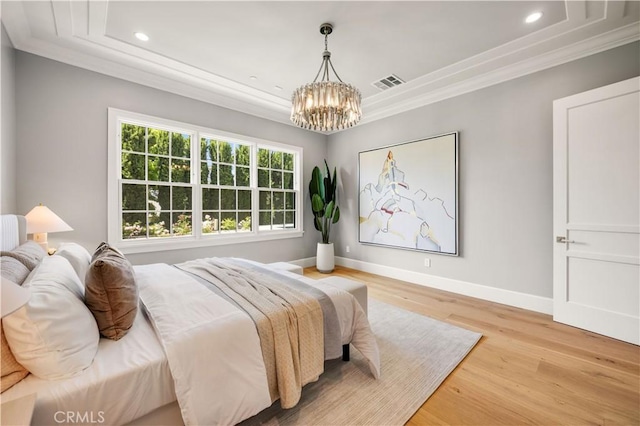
[[289, 323]]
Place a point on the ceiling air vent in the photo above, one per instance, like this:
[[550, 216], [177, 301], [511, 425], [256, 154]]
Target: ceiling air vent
[[388, 82]]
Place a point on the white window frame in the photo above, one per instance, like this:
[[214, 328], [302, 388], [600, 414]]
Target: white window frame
[[114, 196]]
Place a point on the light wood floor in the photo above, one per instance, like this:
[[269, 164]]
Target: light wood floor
[[526, 369]]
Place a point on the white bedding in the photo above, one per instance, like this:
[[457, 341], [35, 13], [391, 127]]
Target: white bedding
[[132, 377], [213, 347], [128, 379], [210, 341]]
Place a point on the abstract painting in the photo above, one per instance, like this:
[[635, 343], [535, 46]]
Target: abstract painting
[[409, 195]]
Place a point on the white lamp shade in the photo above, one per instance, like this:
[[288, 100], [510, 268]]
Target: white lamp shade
[[12, 297], [40, 219]]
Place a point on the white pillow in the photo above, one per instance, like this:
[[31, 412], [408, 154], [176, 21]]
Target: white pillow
[[54, 335], [78, 256]]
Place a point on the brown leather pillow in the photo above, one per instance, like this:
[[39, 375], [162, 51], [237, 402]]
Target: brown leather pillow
[[111, 292]]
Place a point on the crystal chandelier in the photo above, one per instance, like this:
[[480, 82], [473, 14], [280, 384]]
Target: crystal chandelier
[[326, 105]]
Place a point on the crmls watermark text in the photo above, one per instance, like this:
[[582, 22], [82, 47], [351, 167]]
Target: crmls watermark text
[[79, 417]]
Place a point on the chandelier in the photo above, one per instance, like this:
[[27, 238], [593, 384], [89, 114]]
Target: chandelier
[[326, 105]]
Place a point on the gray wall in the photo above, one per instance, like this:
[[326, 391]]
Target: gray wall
[[505, 163], [62, 151], [505, 173], [8, 136]]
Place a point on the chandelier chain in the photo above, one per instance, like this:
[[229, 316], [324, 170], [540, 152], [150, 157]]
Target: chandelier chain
[[326, 62]]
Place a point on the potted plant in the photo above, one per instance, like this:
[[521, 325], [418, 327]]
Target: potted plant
[[322, 192]]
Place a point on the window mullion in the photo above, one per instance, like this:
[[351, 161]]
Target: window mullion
[[196, 186], [255, 193], [146, 177], [297, 186]]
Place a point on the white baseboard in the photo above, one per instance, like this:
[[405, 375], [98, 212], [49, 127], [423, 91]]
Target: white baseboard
[[507, 297]]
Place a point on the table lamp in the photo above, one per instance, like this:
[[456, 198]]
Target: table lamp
[[40, 221], [12, 297]]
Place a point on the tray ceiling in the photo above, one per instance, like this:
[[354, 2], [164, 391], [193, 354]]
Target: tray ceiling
[[210, 50]]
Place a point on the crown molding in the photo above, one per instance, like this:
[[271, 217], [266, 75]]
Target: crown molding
[[79, 49], [612, 39], [190, 86], [80, 40]]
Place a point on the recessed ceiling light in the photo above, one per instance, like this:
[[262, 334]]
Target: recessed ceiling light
[[533, 17], [253, 77], [141, 36], [277, 87]]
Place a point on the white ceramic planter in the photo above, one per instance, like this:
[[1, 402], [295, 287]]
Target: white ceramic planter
[[325, 258]]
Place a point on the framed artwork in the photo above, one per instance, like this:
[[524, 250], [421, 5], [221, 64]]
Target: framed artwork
[[408, 195]]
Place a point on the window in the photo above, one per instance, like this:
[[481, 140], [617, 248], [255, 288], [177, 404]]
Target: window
[[276, 189], [174, 185], [225, 178], [155, 173]]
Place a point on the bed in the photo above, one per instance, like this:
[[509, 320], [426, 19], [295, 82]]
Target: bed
[[196, 351]]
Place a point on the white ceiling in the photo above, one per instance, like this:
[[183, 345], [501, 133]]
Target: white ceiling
[[208, 50]]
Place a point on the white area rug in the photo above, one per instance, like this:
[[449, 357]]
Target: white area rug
[[417, 354]]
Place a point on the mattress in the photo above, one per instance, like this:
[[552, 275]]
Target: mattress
[[128, 379]]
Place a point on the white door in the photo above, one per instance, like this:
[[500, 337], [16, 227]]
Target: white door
[[596, 210]]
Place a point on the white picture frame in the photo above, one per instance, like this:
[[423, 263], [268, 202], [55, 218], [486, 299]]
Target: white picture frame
[[408, 195]]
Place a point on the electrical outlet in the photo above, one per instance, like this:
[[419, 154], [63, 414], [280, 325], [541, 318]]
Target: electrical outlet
[[347, 249], [427, 262]]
